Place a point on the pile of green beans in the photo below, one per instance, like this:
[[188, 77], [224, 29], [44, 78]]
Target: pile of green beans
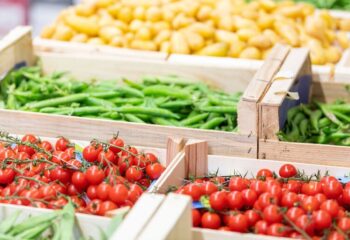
[[162, 100], [318, 123]]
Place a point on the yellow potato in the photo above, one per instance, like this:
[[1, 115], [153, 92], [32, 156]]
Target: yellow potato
[[251, 53], [125, 14], [144, 34], [109, 32], [225, 22], [204, 30], [204, 13], [153, 14], [162, 36], [63, 33], [168, 14], [165, 47], [159, 26], [344, 25], [260, 41], [114, 9], [265, 21], [143, 45], [333, 54], [118, 41], [85, 10], [316, 28], [195, 41], [140, 13], [95, 41], [178, 43], [244, 23], [181, 21], [104, 3], [342, 39], [271, 35], [245, 34], [292, 11], [136, 24], [214, 50], [236, 47], [81, 38], [85, 25], [225, 36], [268, 5], [48, 31], [288, 32]]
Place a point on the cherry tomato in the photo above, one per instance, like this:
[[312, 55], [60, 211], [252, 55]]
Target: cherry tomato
[[154, 170], [133, 174], [196, 218], [118, 194], [289, 199], [60, 174], [326, 179], [306, 223], [72, 190], [38, 204], [209, 188], [278, 230], [238, 223], [106, 157], [29, 138], [47, 192], [94, 206], [150, 158], [94, 175], [344, 224], [294, 213], [258, 186], [320, 197], [287, 171], [91, 192], [46, 145], [252, 217], [311, 188], [293, 186], [346, 196], [322, 219], [275, 190], [331, 206], [210, 220], [235, 200], [334, 235], [133, 195], [266, 199], [91, 152], [8, 153], [7, 175], [263, 173], [79, 180], [260, 227], [103, 190], [249, 197], [23, 156], [332, 189], [118, 144], [78, 201], [272, 214], [70, 152], [60, 157], [62, 144], [310, 204], [105, 207], [194, 190], [218, 200], [237, 184]]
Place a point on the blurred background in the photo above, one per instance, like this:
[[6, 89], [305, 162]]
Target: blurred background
[[33, 12]]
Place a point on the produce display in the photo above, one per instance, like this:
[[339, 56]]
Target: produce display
[[284, 204], [222, 28], [332, 4], [163, 100], [96, 178], [318, 123]]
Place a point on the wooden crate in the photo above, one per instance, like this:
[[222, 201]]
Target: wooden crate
[[276, 103], [85, 67], [187, 164], [338, 72]]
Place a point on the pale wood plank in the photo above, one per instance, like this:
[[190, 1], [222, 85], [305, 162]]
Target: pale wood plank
[[330, 91], [174, 146], [196, 157]]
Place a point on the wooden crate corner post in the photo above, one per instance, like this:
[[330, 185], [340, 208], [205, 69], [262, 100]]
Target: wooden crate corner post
[[174, 146], [247, 107], [196, 158], [16, 49]]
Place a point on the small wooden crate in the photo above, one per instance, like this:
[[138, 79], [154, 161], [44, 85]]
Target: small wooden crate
[[186, 165], [86, 67], [295, 76]]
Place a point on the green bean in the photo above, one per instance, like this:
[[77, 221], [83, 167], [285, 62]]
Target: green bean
[[298, 118], [220, 109], [343, 108], [314, 119], [132, 84], [303, 126], [194, 119], [54, 109], [110, 115], [166, 80], [294, 134], [99, 102], [176, 104], [323, 122], [341, 116], [162, 121], [219, 102], [156, 112], [213, 123], [133, 118], [229, 121], [132, 92], [110, 94], [57, 101], [292, 112], [214, 115], [122, 101], [160, 90], [330, 115]]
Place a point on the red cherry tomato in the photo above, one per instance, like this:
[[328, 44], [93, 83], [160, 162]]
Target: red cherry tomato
[[118, 194], [272, 214], [235, 200], [252, 217], [287, 171], [260, 227], [118, 144], [94, 175], [289, 199], [62, 144], [264, 173], [331, 206], [133, 174], [278, 230], [266, 199], [210, 220], [310, 204], [91, 192], [103, 190], [311, 188], [237, 184], [105, 207], [333, 189], [238, 223], [107, 157], [218, 200], [91, 152], [306, 223], [344, 224], [196, 218], [249, 197], [294, 213], [209, 188], [322, 219], [154, 170]]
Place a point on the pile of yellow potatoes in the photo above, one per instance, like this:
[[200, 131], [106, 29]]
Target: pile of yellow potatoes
[[223, 28]]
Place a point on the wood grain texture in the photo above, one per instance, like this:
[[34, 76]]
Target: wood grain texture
[[219, 142], [174, 146], [196, 157], [330, 91], [16, 48], [305, 153], [45, 45]]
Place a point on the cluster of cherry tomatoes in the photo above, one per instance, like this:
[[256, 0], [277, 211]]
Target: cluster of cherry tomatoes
[[289, 205], [100, 178]]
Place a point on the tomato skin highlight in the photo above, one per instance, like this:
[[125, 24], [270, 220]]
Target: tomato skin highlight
[[322, 219], [287, 171]]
